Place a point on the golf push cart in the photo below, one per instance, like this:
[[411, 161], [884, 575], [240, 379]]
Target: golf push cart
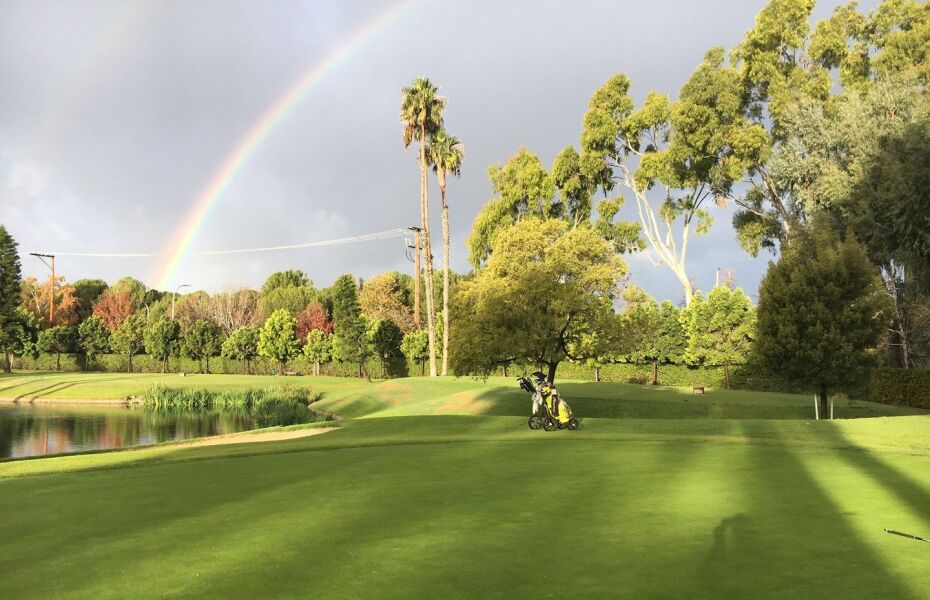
[[550, 412]]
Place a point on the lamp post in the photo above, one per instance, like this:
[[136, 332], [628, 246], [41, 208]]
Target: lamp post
[[174, 297]]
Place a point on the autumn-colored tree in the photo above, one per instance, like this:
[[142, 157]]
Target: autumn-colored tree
[[387, 296], [114, 307], [34, 298], [235, 309], [192, 308], [310, 318]]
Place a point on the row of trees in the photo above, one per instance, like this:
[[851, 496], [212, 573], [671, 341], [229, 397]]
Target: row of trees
[[796, 125], [421, 114]]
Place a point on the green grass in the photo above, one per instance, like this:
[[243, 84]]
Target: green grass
[[499, 396], [102, 386], [437, 489]]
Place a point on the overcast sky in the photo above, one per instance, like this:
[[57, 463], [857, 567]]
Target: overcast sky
[[115, 115]]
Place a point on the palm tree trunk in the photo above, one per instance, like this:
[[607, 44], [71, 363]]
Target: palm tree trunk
[[427, 254], [445, 273]]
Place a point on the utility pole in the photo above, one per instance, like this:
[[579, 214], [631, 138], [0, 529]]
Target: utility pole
[[51, 284], [416, 275]]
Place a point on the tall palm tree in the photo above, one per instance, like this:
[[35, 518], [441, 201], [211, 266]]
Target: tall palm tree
[[445, 154], [421, 114]]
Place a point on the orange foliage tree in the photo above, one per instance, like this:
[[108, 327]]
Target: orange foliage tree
[[114, 307]]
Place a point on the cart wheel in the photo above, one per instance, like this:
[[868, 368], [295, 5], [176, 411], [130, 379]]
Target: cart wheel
[[535, 422], [551, 425], [573, 424]]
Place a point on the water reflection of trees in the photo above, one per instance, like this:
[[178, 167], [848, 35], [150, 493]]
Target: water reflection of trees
[[36, 431]]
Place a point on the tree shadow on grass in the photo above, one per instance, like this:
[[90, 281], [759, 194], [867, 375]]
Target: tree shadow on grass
[[897, 483], [791, 540]]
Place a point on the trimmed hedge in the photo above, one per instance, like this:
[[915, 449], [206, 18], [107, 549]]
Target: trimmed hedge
[[903, 387], [142, 363]]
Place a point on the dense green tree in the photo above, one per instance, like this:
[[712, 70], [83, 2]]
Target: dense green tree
[[88, 291], [242, 344], [129, 338], [545, 291], [386, 338], [293, 299], [421, 115], [134, 287], [290, 278], [202, 340], [720, 329], [278, 338], [56, 340], [821, 308], [94, 339], [521, 188], [351, 343], [445, 154], [18, 336], [319, 348], [10, 285], [388, 296], [415, 347], [162, 340], [345, 298]]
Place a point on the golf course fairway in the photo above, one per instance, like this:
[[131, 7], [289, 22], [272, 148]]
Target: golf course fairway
[[457, 506]]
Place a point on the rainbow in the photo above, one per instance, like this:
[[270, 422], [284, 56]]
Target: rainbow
[[182, 240]]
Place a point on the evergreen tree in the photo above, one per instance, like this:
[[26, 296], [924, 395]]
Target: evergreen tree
[[242, 345], [129, 338], [58, 339], [720, 329], [93, 338], [386, 338], [10, 282], [319, 348], [278, 338], [201, 341], [161, 340], [821, 308]]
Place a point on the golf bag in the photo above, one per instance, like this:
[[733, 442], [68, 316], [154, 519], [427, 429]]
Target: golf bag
[[550, 411]]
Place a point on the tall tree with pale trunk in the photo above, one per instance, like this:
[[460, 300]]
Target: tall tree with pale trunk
[[421, 115], [445, 154]]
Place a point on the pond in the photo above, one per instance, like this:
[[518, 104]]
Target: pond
[[37, 430]]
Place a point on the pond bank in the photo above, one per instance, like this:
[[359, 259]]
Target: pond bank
[[133, 400]]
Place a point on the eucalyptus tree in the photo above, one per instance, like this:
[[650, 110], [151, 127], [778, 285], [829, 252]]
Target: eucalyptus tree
[[445, 154], [421, 115], [673, 157]]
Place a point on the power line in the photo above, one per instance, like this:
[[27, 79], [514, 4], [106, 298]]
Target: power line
[[390, 233]]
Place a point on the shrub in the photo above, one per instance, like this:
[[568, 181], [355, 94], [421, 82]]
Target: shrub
[[905, 387]]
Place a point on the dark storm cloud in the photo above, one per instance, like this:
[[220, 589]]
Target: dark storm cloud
[[115, 115]]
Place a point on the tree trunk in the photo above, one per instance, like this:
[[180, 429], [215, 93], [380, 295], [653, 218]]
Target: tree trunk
[[7, 363], [363, 369], [58, 361], [597, 374], [207, 365], [552, 368], [506, 367], [445, 275], [726, 373], [130, 362], [823, 406], [655, 371], [427, 254]]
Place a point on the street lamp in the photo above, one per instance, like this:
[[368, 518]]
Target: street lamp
[[174, 297]]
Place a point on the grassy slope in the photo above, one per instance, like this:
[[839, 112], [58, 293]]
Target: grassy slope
[[28, 385], [500, 396], [478, 506]]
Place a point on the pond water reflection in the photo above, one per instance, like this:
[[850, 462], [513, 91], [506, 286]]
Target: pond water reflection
[[36, 430]]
